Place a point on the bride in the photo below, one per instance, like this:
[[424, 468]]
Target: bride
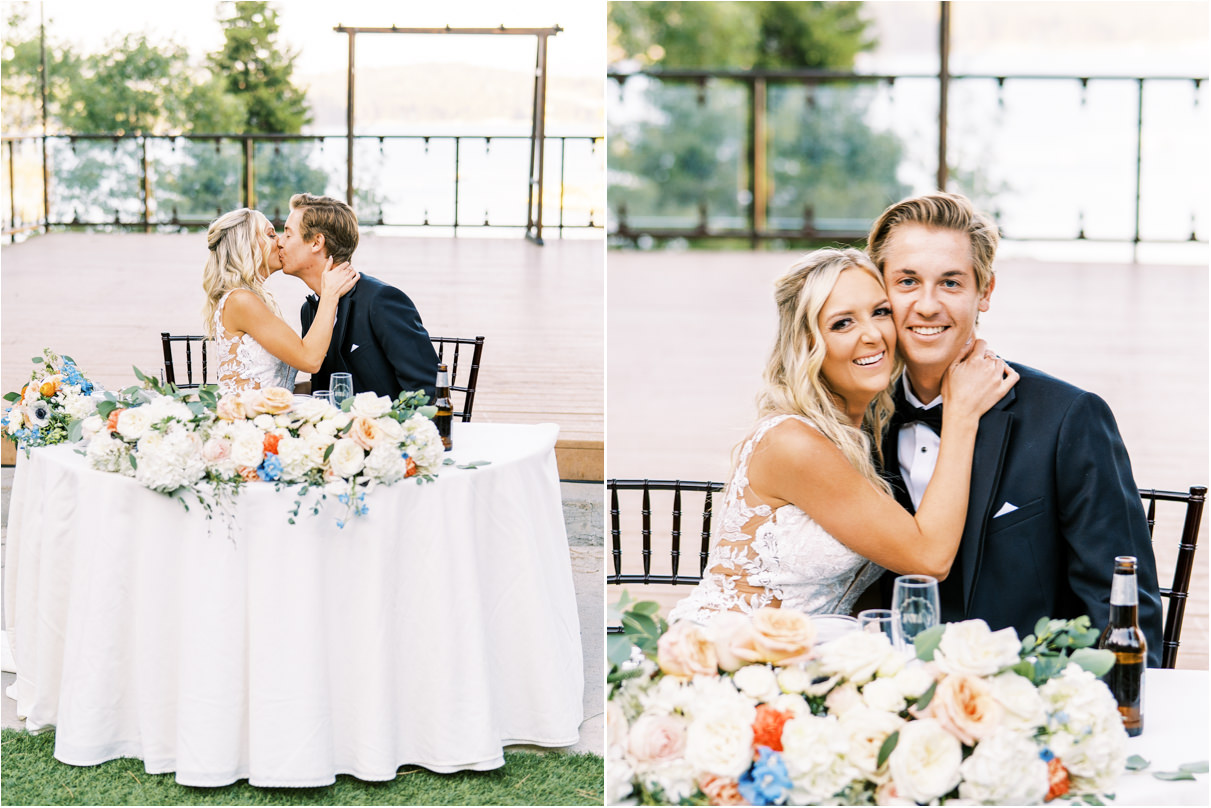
[[807, 522], [255, 346]]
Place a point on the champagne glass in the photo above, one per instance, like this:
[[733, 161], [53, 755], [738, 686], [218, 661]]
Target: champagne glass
[[915, 602], [880, 621], [341, 387], [323, 395]]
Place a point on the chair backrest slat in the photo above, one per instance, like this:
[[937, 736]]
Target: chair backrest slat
[[467, 389], [1178, 592], [171, 367]]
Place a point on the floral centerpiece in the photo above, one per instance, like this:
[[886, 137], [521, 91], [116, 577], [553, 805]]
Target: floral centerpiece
[[752, 711], [51, 406], [176, 445]]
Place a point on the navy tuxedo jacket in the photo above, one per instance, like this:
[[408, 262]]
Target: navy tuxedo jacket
[[378, 338], [1053, 451]]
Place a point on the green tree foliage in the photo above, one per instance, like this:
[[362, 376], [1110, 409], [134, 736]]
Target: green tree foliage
[[257, 68], [685, 149]]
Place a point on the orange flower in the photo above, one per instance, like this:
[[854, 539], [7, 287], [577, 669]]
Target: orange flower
[[721, 790], [49, 388], [248, 474], [1058, 776], [411, 468], [767, 727], [112, 423], [271, 443]]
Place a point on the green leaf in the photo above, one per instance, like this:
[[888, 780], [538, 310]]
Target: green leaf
[[12, 396], [1197, 767], [105, 408], [139, 374], [927, 696], [648, 607], [618, 648], [1092, 799], [328, 452], [1173, 776], [134, 464], [1136, 763], [449, 461], [889, 745], [37, 360], [640, 623], [927, 642], [1097, 661], [1040, 628], [75, 430]]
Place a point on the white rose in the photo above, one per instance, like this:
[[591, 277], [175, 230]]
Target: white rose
[[794, 679], [79, 407], [423, 444], [1005, 769], [713, 695], [1024, 707], [295, 459], [134, 422], [676, 779], [866, 730], [757, 682], [162, 407], [247, 444], [791, 703], [718, 743], [816, 753], [317, 444], [386, 464], [91, 426], [884, 694], [913, 680], [216, 453], [347, 458], [925, 763], [264, 422], [618, 785], [1086, 729], [392, 430], [857, 655], [843, 699], [310, 409], [334, 422], [616, 725], [971, 647], [370, 405]]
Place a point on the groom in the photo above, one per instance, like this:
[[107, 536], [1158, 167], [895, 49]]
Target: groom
[[1052, 497], [378, 336]]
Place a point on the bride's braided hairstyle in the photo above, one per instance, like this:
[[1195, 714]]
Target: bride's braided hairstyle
[[239, 253], [793, 380]]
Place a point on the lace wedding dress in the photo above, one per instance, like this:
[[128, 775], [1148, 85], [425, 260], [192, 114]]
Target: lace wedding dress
[[243, 363], [768, 557]]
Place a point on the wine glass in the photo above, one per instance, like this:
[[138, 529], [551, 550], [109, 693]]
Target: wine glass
[[342, 387], [880, 621], [915, 603], [323, 395]]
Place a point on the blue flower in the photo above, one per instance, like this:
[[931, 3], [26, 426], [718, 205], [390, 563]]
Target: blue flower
[[1047, 755], [343, 499], [767, 782], [270, 468]]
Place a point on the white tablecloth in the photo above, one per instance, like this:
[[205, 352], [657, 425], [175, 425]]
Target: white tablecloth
[[433, 630], [1175, 732]]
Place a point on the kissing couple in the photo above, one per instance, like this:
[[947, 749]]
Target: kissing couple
[[1017, 496], [353, 323]]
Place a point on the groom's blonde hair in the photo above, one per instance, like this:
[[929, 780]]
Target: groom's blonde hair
[[239, 253], [794, 380]]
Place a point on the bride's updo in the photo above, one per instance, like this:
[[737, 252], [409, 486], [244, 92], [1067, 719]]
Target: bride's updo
[[239, 254], [793, 381]]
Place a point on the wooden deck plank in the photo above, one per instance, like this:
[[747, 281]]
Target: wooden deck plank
[[689, 333], [104, 298]]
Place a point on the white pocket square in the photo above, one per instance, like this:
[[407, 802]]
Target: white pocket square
[[354, 348], [1008, 507]]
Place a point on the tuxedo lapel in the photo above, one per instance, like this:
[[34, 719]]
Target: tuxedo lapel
[[337, 352], [992, 441]]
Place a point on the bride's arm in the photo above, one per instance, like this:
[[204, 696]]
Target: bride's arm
[[248, 313], [797, 464]]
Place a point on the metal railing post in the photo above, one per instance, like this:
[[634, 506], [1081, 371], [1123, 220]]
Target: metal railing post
[[12, 195], [146, 185], [249, 172], [349, 190], [1139, 163], [457, 155], [758, 181], [943, 91]]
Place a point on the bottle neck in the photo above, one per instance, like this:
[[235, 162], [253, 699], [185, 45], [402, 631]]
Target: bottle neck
[[1123, 590]]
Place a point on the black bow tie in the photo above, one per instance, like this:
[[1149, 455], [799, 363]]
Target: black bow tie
[[909, 414]]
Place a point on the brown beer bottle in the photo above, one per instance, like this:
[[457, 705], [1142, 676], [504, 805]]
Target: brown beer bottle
[[445, 407], [1123, 637]]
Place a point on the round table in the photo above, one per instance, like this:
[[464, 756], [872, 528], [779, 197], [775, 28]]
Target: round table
[[432, 630]]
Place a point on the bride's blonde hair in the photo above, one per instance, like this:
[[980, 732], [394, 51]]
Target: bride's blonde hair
[[793, 381], [239, 252]]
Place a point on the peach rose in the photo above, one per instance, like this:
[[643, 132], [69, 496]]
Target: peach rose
[[731, 632], [685, 650], [721, 790], [231, 408], [779, 636], [965, 707], [276, 400], [253, 400], [216, 450], [248, 474], [656, 738], [365, 433]]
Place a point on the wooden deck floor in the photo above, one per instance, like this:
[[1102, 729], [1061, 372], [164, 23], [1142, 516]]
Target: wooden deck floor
[[104, 298], [688, 336]]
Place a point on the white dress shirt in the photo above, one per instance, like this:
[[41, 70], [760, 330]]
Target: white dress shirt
[[918, 448]]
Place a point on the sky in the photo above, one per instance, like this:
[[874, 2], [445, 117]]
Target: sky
[[307, 26]]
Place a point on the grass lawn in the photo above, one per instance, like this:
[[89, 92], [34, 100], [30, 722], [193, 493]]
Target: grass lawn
[[31, 776]]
